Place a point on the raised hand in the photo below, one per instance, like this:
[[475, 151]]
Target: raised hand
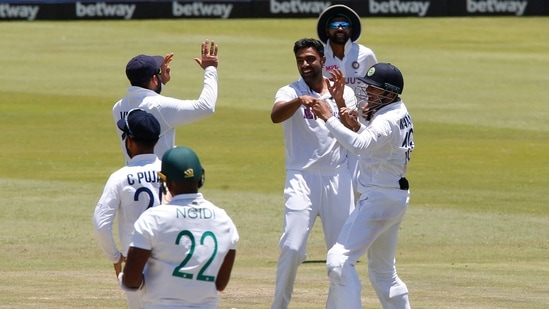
[[208, 51], [165, 68], [337, 87]]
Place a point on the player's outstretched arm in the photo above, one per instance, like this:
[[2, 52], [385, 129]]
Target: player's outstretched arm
[[225, 271]]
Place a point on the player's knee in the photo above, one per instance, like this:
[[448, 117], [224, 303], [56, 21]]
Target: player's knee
[[380, 280], [335, 273], [296, 255], [387, 285]]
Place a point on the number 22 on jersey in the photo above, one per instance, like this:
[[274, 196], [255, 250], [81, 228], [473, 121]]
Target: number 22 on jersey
[[177, 271]]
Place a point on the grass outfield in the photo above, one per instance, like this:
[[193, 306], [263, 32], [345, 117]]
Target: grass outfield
[[476, 234]]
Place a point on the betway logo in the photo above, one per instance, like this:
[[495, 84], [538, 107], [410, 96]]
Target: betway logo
[[397, 7], [201, 9], [102, 9], [28, 12], [296, 6], [497, 6]]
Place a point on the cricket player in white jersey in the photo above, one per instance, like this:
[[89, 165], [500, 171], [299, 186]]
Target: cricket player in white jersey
[[147, 75], [318, 182], [130, 190], [339, 27], [181, 254], [384, 146]]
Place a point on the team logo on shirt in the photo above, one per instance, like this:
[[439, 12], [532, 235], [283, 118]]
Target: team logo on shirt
[[355, 65]]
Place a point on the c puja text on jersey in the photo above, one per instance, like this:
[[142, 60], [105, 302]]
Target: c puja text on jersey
[[141, 177]]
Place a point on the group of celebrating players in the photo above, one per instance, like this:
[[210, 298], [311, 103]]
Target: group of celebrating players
[[347, 153]]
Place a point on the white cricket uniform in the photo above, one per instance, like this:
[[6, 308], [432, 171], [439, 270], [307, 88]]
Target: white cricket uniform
[[318, 183], [169, 112], [188, 239], [355, 63], [384, 147], [128, 192]]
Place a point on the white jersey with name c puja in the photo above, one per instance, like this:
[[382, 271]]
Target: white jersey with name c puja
[[128, 192]]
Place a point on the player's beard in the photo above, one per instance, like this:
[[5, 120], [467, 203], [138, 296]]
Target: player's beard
[[127, 149], [159, 87], [339, 37], [374, 103]]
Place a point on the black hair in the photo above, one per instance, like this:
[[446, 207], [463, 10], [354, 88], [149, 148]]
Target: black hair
[[147, 143], [144, 84], [307, 42]]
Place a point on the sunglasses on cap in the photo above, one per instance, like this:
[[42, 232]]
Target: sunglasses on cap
[[129, 130], [337, 24]]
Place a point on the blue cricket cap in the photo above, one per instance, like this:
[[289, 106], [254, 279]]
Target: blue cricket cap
[[140, 125], [142, 67]]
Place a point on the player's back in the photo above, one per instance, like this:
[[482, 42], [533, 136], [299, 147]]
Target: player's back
[[139, 189], [188, 240], [128, 192], [153, 103]]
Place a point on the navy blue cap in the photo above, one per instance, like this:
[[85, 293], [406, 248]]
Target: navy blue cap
[[386, 76], [140, 125], [142, 67]]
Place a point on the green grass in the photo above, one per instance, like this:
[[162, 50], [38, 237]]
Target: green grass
[[476, 232]]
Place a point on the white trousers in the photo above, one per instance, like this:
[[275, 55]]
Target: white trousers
[[309, 195], [134, 300], [372, 228], [354, 168]]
